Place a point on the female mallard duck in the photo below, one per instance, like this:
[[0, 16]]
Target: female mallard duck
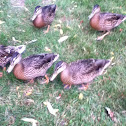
[[104, 21], [44, 16], [32, 66], [7, 52], [79, 72]]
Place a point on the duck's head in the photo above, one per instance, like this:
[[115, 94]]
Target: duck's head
[[49, 10], [15, 59], [95, 10], [38, 10], [60, 66], [20, 49]]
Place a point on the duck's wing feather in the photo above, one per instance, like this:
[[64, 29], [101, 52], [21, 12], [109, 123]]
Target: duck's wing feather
[[38, 61], [111, 19], [88, 66]]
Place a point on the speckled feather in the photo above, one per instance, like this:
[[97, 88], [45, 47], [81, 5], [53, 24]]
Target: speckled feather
[[82, 71], [5, 56], [33, 66]]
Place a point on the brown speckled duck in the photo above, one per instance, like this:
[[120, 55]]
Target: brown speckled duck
[[80, 72], [44, 16], [104, 21], [7, 52], [32, 66]]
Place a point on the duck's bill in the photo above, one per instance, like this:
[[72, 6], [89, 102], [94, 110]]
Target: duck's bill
[[56, 58], [108, 63], [10, 68], [33, 17], [54, 76], [16, 58]]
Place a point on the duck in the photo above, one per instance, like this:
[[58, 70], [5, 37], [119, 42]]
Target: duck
[[104, 21], [43, 16], [81, 72], [33, 66], [7, 52]]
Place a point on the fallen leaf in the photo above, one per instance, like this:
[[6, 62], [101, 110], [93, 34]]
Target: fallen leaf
[[28, 102], [81, 96], [58, 97], [1, 22], [79, 26], [61, 31], [111, 114], [13, 38], [75, 35], [50, 108], [17, 88], [11, 120], [57, 26], [33, 121], [32, 41], [69, 27], [81, 21], [120, 30], [112, 53], [28, 92], [48, 49], [26, 9], [112, 58], [8, 16], [63, 39], [60, 21]]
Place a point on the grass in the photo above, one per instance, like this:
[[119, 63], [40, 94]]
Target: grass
[[106, 91]]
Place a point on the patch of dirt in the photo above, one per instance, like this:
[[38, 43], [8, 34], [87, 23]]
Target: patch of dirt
[[18, 3]]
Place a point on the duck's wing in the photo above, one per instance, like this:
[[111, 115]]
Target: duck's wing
[[111, 19], [82, 66], [38, 61], [88, 66]]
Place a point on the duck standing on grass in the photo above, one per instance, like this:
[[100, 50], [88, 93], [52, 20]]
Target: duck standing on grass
[[104, 21], [79, 72], [6, 54], [44, 16], [32, 67]]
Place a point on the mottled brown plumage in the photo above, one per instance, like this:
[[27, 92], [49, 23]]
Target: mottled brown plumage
[[6, 53], [81, 71], [32, 66], [104, 21], [44, 16]]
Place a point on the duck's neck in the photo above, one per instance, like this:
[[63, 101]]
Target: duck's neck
[[64, 75]]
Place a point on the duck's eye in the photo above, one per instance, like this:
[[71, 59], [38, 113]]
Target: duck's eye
[[20, 47]]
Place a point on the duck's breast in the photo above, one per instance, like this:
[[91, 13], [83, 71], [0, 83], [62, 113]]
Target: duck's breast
[[95, 22], [39, 22]]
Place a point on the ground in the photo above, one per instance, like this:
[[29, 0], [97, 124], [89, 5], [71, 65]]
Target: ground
[[108, 90]]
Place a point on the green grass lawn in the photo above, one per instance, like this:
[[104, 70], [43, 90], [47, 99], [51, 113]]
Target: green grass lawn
[[108, 90]]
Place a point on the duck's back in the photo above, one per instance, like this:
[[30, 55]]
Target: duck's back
[[34, 66]]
